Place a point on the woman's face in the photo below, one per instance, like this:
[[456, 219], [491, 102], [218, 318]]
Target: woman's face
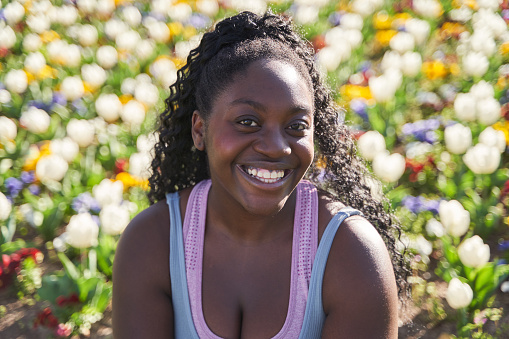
[[258, 137]]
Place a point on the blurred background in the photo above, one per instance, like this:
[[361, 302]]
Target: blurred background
[[424, 84]]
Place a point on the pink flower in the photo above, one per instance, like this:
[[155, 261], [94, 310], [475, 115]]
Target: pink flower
[[64, 330]]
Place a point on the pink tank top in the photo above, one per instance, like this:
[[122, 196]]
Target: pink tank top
[[305, 242]]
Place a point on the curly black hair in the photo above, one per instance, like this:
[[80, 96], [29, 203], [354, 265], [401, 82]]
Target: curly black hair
[[229, 48]]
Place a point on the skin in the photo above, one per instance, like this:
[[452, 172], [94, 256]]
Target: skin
[[263, 120]]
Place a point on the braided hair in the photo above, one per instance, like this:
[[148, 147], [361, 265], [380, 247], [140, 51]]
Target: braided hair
[[229, 48]]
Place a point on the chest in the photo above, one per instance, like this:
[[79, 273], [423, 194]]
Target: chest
[[246, 290]]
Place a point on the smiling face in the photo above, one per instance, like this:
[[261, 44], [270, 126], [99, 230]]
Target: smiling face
[[258, 137]]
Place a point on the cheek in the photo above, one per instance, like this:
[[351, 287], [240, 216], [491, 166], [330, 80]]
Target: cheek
[[306, 149]]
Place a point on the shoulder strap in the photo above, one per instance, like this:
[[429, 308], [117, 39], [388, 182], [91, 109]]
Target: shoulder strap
[[314, 317], [183, 321]]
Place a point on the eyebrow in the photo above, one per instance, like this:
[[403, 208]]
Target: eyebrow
[[259, 106]]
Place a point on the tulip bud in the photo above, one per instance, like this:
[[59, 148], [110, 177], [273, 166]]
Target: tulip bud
[[131, 15], [51, 167], [428, 8], [32, 42], [493, 137], [108, 106], [16, 81], [67, 148], [8, 129], [465, 106], [7, 37], [454, 217], [127, 40], [459, 294], [82, 231], [114, 219], [482, 41], [207, 7], [35, 120], [411, 63], [5, 207], [482, 90], [475, 64], [474, 252], [81, 131], [482, 159], [391, 59], [402, 42], [13, 13], [93, 75], [370, 144], [107, 56], [488, 111], [72, 88], [108, 192], [133, 112], [139, 164], [87, 35], [420, 29], [35, 62], [389, 167], [458, 138]]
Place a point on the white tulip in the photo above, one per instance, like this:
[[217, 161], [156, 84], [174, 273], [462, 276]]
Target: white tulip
[[5, 207], [114, 219], [7, 37], [459, 294], [458, 138], [71, 55], [475, 64], [32, 42], [352, 21], [114, 27], [482, 90], [107, 56], [145, 143], [428, 8], [127, 40], [67, 148], [158, 31], [108, 192], [370, 144], [329, 58], [402, 42], [16, 81], [473, 252], [108, 106], [462, 14], [384, 87], [435, 228], [5, 96], [420, 29], [482, 159], [493, 137], [133, 112], [93, 75], [128, 86], [35, 62], [454, 217], [8, 129], [207, 7], [492, 5], [139, 164], [182, 48], [146, 93], [35, 120], [145, 49], [389, 167], [87, 6], [391, 59], [488, 111], [38, 23], [82, 131], [411, 63], [482, 41], [51, 167], [72, 88], [14, 13], [131, 15], [87, 35], [106, 7], [364, 7], [82, 231], [66, 15], [465, 106]]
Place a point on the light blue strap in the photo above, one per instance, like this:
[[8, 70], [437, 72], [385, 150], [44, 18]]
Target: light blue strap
[[314, 317], [183, 319]]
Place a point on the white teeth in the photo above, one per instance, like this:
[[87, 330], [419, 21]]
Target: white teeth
[[265, 175]]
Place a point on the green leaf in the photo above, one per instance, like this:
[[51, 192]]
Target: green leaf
[[69, 267], [56, 285]]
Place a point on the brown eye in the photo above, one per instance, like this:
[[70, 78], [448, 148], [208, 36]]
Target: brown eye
[[248, 123], [299, 126]]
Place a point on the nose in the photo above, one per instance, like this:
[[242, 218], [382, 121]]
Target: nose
[[272, 143]]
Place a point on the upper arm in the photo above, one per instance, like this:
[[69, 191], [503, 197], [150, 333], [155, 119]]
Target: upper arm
[[359, 289], [142, 305]]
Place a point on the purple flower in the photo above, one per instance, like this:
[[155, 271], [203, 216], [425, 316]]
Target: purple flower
[[505, 14], [359, 107], [420, 204], [79, 107], [84, 203], [13, 186], [58, 98], [335, 19], [27, 177], [199, 21], [34, 189], [422, 130], [41, 105], [504, 245]]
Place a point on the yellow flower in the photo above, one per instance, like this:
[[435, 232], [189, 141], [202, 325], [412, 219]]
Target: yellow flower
[[454, 69], [176, 28], [125, 98], [400, 19], [434, 69], [382, 20], [34, 154], [131, 181], [504, 48], [349, 92], [49, 36], [383, 37], [189, 32]]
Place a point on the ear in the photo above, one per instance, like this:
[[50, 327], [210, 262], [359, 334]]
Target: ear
[[198, 131]]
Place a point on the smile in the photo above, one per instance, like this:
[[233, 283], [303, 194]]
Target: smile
[[265, 175]]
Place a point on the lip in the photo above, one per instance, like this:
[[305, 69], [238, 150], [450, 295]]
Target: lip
[[254, 181]]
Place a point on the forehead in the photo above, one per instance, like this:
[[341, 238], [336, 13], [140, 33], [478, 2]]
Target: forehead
[[274, 82]]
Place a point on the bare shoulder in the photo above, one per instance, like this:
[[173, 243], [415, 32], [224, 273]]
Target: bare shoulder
[[359, 285], [141, 282]]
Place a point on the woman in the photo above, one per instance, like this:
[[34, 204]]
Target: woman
[[229, 247]]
